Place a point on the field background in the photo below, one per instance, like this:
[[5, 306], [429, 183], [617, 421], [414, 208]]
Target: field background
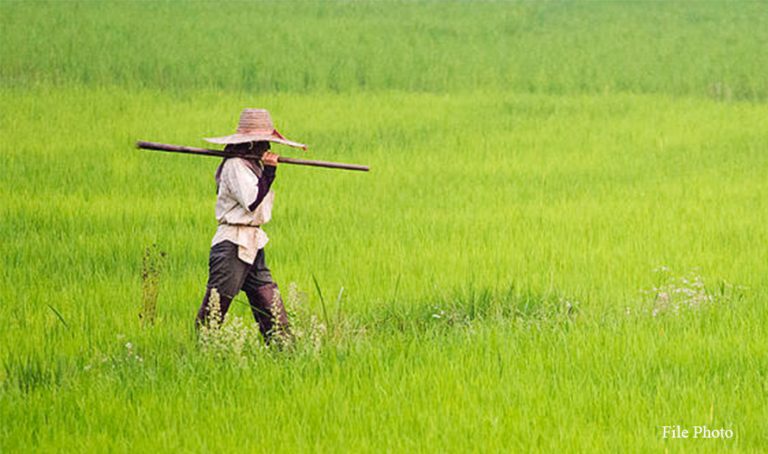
[[535, 165]]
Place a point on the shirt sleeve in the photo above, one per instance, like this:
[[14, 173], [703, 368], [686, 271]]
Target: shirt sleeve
[[265, 182]]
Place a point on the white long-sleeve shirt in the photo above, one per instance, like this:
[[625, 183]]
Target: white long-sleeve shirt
[[238, 189]]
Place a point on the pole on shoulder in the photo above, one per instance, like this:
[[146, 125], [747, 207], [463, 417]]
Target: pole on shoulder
[[206, 152]]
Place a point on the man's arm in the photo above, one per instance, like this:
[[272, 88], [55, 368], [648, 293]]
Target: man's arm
[[265, 182], [248, 189]]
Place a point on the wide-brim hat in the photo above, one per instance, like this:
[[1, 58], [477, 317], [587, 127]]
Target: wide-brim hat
[[255, 126]]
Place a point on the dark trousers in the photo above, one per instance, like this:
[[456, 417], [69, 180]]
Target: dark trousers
[[228, 275]]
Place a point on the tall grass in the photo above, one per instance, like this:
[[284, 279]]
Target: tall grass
[[533, 164], [701, 48]]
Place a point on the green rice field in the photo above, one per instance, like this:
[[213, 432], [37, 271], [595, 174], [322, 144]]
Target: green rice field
[[562, 245]]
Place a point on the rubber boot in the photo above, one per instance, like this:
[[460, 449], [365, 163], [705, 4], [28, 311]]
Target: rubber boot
[[269, 312]]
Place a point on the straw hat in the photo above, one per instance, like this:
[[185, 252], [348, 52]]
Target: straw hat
[[255, 126]]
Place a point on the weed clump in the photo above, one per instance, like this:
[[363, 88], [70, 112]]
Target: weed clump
[[462, 309], [28, 372], [231, 338], [228, 338], [674, 295], [152, 265], [306, 327]]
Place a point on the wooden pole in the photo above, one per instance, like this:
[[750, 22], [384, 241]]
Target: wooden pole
[[281, 159]]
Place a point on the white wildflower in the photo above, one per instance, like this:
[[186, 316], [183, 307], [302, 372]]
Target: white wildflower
[[677, 294]]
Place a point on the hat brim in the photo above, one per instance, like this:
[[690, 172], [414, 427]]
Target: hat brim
[[244, 138]]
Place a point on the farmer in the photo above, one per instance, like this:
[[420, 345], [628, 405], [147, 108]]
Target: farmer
[[243, 205]]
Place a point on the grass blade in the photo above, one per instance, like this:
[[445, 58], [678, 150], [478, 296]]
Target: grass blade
[[322, 300], [58, 315]]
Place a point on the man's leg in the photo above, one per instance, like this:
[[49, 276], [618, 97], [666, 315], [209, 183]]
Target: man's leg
[[226, 274], [266, 303]]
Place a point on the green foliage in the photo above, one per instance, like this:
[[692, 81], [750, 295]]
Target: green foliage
[[699, 48], [532, 164], [151, 269]]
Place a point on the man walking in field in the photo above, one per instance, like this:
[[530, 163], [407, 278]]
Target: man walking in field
[[243, 205]]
